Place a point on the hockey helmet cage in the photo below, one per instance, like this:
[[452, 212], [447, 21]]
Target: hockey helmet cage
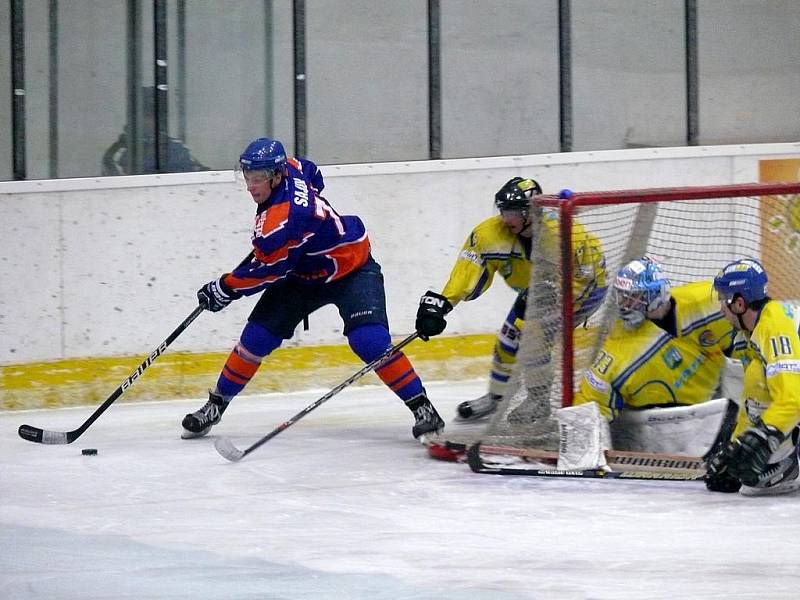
[[639, 287]]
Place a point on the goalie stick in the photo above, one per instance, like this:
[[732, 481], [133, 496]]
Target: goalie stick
[[230, 452], [621, 465], [43, 436]]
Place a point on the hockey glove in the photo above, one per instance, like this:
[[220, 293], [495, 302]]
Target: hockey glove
[[215, 295], [718, 478], [430, 315], [749, 454]]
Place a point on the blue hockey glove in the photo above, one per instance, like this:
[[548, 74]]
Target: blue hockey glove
[[215, 295], [430, 315]]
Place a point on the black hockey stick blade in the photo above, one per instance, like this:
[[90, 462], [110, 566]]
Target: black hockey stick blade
[[477, 464], [230, 452], [43, 436], [35, 434]]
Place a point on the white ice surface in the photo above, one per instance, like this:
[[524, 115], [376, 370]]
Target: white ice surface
[[345, 504]]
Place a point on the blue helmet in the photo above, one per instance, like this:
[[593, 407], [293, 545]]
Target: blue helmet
[[639, 287], [263, 154], [746, 278]]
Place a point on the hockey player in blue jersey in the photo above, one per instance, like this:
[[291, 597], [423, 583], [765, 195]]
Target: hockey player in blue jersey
[[306, 255]]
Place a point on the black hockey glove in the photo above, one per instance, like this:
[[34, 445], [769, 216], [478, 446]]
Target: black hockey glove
[[718, 479], [749, 454], [430, 315], [215, 295]]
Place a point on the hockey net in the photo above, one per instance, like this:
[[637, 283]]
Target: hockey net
[[692, 231]]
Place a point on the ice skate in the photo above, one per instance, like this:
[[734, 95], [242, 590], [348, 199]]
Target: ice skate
[[472, 410], [780, 478], [427, 420], [199, 423]]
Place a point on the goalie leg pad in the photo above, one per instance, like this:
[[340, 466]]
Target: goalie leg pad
[[690, 430], [585, 437]]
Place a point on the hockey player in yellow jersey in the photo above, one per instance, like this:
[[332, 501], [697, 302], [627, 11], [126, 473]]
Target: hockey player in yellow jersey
[[667, 348], [762, 459], [502, 245]]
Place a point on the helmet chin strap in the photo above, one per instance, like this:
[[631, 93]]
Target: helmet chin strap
[[739, 318]]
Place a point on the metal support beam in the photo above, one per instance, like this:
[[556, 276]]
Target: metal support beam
[[565, 74], [52, 111], [161, 87], [692, 89], [180, 84], [133, 34], [299, 18], [18, 89], [434, 80]]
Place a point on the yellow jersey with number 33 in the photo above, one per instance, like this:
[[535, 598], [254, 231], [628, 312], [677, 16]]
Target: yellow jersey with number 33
[[647, 367]]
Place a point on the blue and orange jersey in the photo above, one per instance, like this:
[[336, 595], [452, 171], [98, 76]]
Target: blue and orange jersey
[[298, 236]]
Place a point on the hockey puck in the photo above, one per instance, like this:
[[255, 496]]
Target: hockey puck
[[89, 451]]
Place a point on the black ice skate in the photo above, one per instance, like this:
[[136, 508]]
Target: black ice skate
[[199, 423], [471, 410], [779, 478], [427, 420]]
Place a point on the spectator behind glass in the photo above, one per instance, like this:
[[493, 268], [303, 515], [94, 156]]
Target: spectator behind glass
[[179, 158]]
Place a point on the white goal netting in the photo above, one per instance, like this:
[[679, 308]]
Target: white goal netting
[[692, 232]]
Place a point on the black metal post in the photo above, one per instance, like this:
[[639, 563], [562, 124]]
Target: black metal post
[[299, 17], [160, 78], [18, 89], [180, 52], [434, 80], [269, 75], [52, 114], [565, 74], [133, 34], [692, 81]]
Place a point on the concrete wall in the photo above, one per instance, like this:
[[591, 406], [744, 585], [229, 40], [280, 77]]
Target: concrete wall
[[104, 267]]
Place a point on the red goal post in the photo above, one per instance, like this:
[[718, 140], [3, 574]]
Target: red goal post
[[771, 199]]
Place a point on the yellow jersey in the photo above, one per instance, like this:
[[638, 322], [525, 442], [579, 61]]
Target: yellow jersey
[[492, 249], [771, 357], [647, 367]]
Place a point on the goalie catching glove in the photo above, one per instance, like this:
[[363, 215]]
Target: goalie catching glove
[[215, 295], [430, 315]]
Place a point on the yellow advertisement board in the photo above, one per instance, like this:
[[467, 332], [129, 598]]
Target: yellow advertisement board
[[780, 229]]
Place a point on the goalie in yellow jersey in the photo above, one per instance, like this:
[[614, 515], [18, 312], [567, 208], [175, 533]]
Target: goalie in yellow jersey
[[667, 348], [502, 245], [762, 459]]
